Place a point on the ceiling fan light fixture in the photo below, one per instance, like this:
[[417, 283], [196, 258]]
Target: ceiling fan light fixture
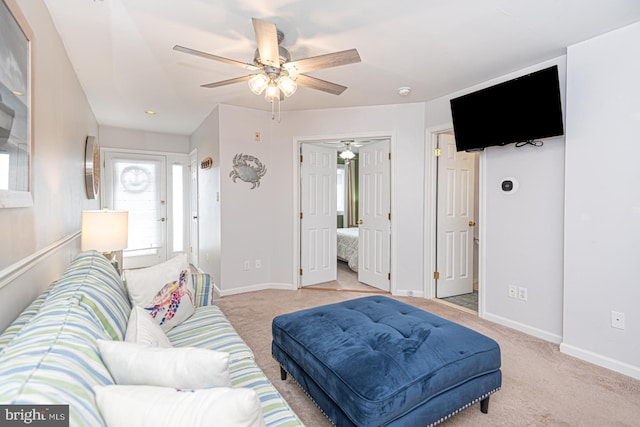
[[347, 154], [258, 83], [287, 85], [272, 93]]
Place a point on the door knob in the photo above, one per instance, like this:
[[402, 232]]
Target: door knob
[[472, 223], [360, 222], [162, 219], [195, 217]]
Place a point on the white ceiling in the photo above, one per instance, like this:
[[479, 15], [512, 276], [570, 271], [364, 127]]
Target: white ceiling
[[122, 50]]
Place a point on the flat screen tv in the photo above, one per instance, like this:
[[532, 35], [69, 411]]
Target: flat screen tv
[[523, 110]]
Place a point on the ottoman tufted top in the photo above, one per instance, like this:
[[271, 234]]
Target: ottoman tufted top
[[379, 357]]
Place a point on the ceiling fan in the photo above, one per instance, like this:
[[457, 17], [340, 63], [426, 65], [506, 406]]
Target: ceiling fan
[[274, 72], [348, 154]]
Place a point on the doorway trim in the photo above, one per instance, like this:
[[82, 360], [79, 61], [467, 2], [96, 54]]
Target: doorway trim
[[431, 214], [296, 146]]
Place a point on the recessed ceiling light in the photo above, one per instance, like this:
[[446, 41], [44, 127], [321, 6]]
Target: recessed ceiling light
[[17, 93], [150, 112], [404, 90]]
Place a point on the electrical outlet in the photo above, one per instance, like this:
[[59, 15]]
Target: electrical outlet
[[522, 293], [617, 320], [513, 291], [246, 265], [258, 263]]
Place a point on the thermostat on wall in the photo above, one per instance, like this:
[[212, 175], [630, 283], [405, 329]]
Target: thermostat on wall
[[509, 185]]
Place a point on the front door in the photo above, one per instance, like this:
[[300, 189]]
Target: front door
[[137, 183], [454, 251], [374, 209], [318, 220]]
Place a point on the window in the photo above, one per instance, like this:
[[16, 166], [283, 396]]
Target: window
[[178, 207], [341, 189]]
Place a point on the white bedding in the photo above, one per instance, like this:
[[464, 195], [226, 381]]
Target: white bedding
[[348, 246]]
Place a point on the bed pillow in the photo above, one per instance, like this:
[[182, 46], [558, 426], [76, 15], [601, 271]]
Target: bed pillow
[[178, 367], [165, 290], [148, 406], [142, 329]]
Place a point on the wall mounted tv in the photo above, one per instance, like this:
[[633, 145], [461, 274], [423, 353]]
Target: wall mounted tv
[[521, 110]]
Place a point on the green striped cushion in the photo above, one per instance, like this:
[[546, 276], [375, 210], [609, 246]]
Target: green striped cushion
[[276, 411], [204, 289], [209, 328], [24, 318], [56, 361], [93, 279]]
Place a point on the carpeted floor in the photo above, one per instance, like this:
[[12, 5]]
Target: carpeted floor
[[540, 386]]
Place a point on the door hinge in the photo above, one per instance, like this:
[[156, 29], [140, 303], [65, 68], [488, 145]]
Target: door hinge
[[300, 158], [301, 215], [436, 275], [437, 152], [389, 216], [389, 155], [388, 276], [301, 272]]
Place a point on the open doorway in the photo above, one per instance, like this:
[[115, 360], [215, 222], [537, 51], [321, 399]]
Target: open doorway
[[456, 211], [345, 214]]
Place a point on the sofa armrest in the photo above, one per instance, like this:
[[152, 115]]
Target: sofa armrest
[[204, 289]]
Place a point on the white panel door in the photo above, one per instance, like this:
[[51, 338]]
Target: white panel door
[[137, 183], [319, 218], [456, 220], [374, 209]]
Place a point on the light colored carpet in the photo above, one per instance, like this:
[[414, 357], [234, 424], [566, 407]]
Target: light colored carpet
[[540, 386]]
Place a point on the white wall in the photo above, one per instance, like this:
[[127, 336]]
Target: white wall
[[128, 139], [405, 124], [522, 232], [206, 140], [40, 241], [261, 223], [602, 235]]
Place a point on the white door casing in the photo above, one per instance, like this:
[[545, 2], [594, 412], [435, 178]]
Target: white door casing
[[374, 208], [455, 220], [318, 211]]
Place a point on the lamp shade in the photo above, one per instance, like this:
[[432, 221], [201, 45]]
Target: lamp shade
[[105, 230]]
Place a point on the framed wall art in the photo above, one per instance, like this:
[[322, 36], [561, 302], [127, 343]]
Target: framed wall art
[[15, 107]]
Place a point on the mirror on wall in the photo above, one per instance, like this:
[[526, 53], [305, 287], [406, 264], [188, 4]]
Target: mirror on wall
[[15, 120]]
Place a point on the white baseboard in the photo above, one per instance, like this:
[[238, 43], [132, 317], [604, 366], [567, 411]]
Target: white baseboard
[[529, 330], [253, 288], [406, 293], [600, 360]]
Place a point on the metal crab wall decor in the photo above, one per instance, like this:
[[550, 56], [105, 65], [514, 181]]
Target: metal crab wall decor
[[248, 169]]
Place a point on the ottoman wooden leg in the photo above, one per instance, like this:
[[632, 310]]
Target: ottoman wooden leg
[[484, 405], [283, 373]]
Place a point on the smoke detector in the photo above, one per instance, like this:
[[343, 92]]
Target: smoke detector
[[404, 90]]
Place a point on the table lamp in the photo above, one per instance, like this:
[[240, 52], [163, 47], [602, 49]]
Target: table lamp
[[107, 232]]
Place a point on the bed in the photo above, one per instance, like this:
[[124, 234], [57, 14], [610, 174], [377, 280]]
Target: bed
[[348, 246]]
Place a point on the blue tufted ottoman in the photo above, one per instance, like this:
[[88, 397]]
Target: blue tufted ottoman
[[375, 361]]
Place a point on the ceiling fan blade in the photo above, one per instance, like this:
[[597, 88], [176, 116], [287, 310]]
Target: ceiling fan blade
[[267, 39], [318, 84], [244, 65], [228, 82], [323, 61]]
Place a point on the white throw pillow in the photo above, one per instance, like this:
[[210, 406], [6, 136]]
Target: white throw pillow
[[142, 329], [165, 290], [147, 406], [178, 367]]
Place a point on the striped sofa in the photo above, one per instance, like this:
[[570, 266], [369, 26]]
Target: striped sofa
[[48, 355]]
